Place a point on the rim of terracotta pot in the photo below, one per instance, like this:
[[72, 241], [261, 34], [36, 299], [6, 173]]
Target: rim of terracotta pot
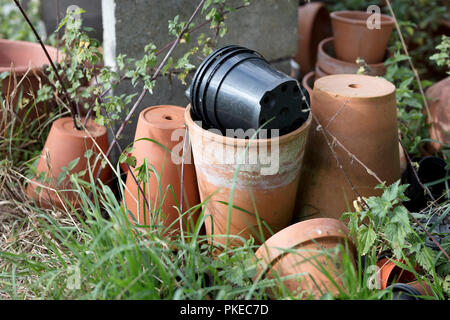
[[305, 81], [163, 119], [65, 127], [29, 46], [344, 84], [359, 17], [307, 15], [319, 73], [243, 142], [274, 247], [323, 55]]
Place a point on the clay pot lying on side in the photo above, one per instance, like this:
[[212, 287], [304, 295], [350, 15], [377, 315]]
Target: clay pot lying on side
[[16, 57], [390, 273], [266, 184], [314, 25], [308, 82], [439, 102], [298, 249], [165, 125], [354, 39], [329, 64], [360, 112], [65, 144]]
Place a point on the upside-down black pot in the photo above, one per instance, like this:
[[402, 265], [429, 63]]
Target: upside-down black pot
[[236, 88]]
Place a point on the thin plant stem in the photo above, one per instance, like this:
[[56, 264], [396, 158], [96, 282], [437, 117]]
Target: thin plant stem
[[73, 110]]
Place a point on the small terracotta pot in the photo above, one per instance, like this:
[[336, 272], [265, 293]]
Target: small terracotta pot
[[308, 82], [326, 60], [297, 249], [354, 39], [314, 24], [438, 97], [390, 272], [16, 57], [64, 144], [360, 112], [165, 125], [265, 185]]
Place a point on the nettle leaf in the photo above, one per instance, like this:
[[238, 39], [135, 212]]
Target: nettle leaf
[[424, 258], [366, 240], [400, 215], [390, 194], [379, 208]]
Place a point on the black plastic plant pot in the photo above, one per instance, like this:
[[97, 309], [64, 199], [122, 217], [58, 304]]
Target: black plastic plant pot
[[431, 169], [403, 291], [236, 88]]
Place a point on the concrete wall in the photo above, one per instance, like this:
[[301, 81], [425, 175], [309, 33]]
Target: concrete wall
[[92, 18], [267, 26]]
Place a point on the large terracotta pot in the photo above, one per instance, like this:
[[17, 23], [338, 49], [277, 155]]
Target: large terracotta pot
[[64, 144], [439, 102], [16, 57], [314, 24], [299, 249], [360, 112], [319, 73], [327, 61], [354, 39], [308, 82], [165, 125], [266, 184]]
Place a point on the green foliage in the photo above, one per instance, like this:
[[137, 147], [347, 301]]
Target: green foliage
[[442, 58], [410, 108], [12, 25], [383, 224]]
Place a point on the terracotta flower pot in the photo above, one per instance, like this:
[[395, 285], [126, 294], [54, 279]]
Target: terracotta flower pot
[[308, 82], [354, 39], [327, 61], [16, 57], [439, 101], [319, 73], [63, 145], [165, 125], [390, 272], [360, 112], [268, 182], [314, 24], [297, 249]]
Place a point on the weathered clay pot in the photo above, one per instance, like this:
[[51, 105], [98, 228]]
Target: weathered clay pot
[[266, 184], [314, 24], [16, 57], [354, 39], [390, 272], [165, 125], [360, 112], [298, 249], [319, 73], [64, 144], [327, 61], [439, 102], [308, 82]]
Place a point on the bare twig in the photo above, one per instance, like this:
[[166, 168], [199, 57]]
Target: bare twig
[[73, 110], [154, 76]]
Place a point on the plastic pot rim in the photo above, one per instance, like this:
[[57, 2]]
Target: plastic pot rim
[[244, 142]]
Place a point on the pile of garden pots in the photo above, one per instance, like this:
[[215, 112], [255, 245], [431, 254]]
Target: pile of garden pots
[[354, 47]]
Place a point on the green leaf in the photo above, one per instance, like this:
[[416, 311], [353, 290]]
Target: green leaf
[[366, 239]]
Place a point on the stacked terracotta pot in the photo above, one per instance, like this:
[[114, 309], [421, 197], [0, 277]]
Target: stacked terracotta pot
[[357, 45]]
